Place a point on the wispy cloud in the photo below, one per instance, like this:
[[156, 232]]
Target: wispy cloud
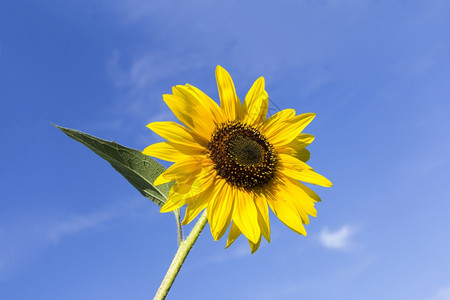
[[339, 239], [142, 72], [442, 294], [78, 223], [22, 241], [141, 80]]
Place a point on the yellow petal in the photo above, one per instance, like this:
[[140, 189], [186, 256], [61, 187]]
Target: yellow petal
[[193, 209], [197, 204], [173, 152], [190, 112], [305, 196], [300, 200], [301, 141], [245, 215], [176, 133], [296, 146], [174, 201], [315, 178], [232, 235], [254, 246], [182, 169], [283, 132], [220, 209], [290, 162], [207, 189], [280, 116], [207, 111], [256, 103], [180, 193], [304, 155], [308, 176], [207, 102], [309, 192], [263, 215], [297, 169], [264, 107], [229, 102], [180, 107], [285, 211]]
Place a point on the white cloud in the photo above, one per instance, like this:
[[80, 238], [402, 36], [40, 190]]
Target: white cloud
[[142, 72], [442, 294], [141, 82], [78, 223], [339, 239]]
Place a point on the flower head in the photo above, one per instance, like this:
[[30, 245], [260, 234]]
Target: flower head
[[235, 162]]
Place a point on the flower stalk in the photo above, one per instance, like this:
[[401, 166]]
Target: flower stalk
[[183, 250], [179, 229]]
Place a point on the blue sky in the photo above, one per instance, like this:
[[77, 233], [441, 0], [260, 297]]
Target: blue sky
[[375, 72]]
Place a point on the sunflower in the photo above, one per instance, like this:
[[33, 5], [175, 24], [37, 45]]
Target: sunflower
[[235, 162]]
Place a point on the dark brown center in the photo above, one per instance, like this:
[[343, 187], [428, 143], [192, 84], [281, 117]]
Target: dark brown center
[[242, 155]]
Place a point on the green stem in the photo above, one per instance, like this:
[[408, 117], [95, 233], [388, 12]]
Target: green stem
[[180, 256], [179, 229]]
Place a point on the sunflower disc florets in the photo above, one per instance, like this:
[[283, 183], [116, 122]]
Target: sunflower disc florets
[[242, 155]]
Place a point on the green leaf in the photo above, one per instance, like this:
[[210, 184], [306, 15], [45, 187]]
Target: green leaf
[[140, 170]]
